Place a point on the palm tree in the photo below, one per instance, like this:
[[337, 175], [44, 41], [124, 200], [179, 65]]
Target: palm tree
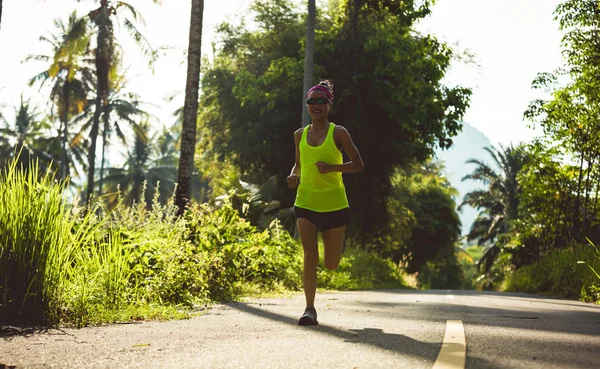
[[309, 53], [120, 107], [190, 110], [144, 171], [71, 76], [27, 137], [166, 146], [103, 17], [497, 204]]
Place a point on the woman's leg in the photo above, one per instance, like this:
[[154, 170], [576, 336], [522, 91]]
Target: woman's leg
[[308, 236], [332, 240]]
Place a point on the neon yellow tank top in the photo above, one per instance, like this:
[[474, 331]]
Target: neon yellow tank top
[[320, 192]]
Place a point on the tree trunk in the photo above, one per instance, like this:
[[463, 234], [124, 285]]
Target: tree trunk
[[103, 62], [576, 209], [586, 203], [190, 109], [64, 133], [104, 132], [309, 54], [0, 14], [568, 219], [595, 211], [63, 151], [92, 152]]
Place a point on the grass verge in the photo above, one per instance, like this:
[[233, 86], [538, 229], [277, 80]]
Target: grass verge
[[565, 273]]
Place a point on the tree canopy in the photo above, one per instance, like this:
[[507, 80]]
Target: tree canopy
[[388, 93]]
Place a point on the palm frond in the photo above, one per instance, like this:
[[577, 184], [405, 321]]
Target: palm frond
[[126, 109], [494, 154], [496, 225], [120, 133], [488, 258], [41, 58], [479, 229], [483, 172], [142, 42], [132, 11], [163, 172], [52, 42], [7, 132], [116, 176], [480, 199], [82, 130]]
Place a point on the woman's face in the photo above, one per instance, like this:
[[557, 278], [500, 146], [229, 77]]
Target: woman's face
[[318, 111]]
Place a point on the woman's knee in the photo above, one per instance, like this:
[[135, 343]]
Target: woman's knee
[[332, 264], [311, 255]]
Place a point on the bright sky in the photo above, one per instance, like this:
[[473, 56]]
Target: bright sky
[[513, 40]]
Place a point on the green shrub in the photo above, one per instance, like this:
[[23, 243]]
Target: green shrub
[[238, 254], [443, 272], [467, 259], [64, 264], [360, 270], [79, 266], [166, 269], [209, 254], [560, 273]]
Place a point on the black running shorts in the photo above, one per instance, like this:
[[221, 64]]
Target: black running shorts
[[324, 221]]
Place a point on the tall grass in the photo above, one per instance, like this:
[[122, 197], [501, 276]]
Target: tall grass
[[36, 244], [57, 262]]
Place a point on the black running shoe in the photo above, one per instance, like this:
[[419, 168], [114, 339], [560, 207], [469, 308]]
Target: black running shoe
[[309, 317]]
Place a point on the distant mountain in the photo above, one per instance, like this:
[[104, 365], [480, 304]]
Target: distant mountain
[[467, 145]]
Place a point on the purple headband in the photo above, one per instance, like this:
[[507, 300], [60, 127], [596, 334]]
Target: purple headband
[[321, 88]]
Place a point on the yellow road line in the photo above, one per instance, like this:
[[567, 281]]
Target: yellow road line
[[454, 348]]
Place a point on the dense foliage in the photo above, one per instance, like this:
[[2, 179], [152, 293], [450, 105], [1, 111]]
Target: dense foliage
[[126, 254], [129, 256], [426, 213], [540, 208], [388, 95], [60, 263]]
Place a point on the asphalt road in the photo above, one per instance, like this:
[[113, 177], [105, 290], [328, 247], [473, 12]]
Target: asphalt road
[[375, 329]]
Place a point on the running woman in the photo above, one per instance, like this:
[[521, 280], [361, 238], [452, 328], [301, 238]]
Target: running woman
[[321, 204]]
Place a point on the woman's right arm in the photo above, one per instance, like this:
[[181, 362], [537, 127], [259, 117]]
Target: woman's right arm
[[294, 176]]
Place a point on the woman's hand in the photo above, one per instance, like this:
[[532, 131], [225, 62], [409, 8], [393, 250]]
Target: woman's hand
[[292, 181], [323, 167]]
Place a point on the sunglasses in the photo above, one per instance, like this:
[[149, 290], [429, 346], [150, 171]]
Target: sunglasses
[[317, 101]]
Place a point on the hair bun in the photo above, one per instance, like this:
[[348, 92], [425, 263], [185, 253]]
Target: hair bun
[[328, 85]]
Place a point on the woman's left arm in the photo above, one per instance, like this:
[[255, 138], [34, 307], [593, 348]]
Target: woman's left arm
[[342, 138]]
